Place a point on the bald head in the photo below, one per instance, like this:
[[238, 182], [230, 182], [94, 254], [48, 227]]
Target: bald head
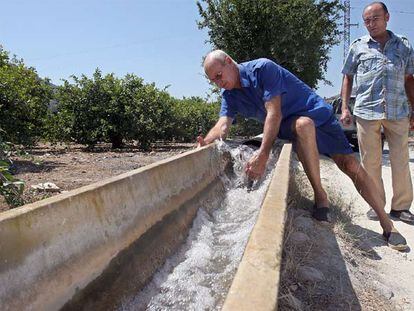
[[379, 4], [221, 69], [216, 56], [375, 18]]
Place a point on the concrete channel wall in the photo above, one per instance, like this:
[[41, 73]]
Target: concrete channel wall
[[256, 284], [52, 249]]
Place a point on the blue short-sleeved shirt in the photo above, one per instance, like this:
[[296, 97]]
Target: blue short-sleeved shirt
[[262, 79], [380, 77]]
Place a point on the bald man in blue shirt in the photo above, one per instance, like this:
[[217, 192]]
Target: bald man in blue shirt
[[289, 109]]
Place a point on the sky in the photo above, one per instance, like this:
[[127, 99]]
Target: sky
[[158, 40]]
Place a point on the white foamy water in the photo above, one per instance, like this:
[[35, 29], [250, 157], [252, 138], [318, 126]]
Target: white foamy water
[[199, 274]]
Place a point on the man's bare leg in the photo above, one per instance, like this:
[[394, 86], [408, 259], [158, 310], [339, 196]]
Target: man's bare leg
[[308, 154], [365, 186]]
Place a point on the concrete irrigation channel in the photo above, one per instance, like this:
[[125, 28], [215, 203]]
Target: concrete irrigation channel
[[93, 247]]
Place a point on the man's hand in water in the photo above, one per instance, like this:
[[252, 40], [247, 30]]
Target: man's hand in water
[[218, 131], [200, 141], [256, 166]]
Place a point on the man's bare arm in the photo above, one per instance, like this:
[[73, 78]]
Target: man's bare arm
[[409, 90], [257, 164], [219, 130], [346, 91], [272, 124]]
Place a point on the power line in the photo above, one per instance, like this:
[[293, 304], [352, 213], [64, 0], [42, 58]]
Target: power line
[[391, 11], [402, 12], [142, 42]]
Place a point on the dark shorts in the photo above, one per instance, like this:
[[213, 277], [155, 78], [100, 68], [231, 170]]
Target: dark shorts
[[330, 137]]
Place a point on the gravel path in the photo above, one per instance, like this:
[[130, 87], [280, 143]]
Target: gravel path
[[389, 271]]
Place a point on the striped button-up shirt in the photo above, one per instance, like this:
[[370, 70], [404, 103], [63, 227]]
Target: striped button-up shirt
[[379, 76]]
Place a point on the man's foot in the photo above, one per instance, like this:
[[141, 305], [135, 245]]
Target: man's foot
[[372, 215], [320, 213], [405, 216], [395, 240]]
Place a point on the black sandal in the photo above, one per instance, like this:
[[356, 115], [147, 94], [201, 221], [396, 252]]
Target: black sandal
[[320, 213], [395, 240]]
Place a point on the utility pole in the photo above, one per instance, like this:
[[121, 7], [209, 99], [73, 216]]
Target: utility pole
[[347, 26]]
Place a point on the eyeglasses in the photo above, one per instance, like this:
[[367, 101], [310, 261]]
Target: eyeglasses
[[373, 20], [218, 77]]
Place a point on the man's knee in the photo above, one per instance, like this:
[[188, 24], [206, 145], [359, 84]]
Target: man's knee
[[348, 164], [304, 126]]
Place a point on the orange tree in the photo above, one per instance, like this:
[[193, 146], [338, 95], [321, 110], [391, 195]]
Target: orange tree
[[106, 108], [193, 116], [24, 100]]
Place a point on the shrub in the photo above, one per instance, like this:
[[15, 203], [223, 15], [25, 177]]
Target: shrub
[[24, 99], [193, 116]]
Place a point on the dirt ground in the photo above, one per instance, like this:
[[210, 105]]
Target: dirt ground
[[71, 166], [388, 272]]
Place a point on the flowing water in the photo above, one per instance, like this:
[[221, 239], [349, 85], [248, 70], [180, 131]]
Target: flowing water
[[199, 275]]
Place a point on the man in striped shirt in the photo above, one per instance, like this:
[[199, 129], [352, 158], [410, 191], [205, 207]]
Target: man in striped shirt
[[382, 65]]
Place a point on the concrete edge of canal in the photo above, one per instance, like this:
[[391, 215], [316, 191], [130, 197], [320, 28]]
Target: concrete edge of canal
[[255, 285], [57, 250], [52, 249]]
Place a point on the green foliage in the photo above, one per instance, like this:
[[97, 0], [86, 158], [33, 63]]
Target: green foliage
[[246, 127], [10, 188], [89, 108], [151, 112], [297, 34], [97, 109], [24, 99], [193, 116]]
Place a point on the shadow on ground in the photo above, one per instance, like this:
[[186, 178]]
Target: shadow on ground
[[323, 264], [56, 149], [28, 166], [333, 290]]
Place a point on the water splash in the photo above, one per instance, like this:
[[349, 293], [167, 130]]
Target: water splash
[[199, 275]]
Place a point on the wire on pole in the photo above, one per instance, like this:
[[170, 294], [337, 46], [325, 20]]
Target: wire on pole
[[347, 26]]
